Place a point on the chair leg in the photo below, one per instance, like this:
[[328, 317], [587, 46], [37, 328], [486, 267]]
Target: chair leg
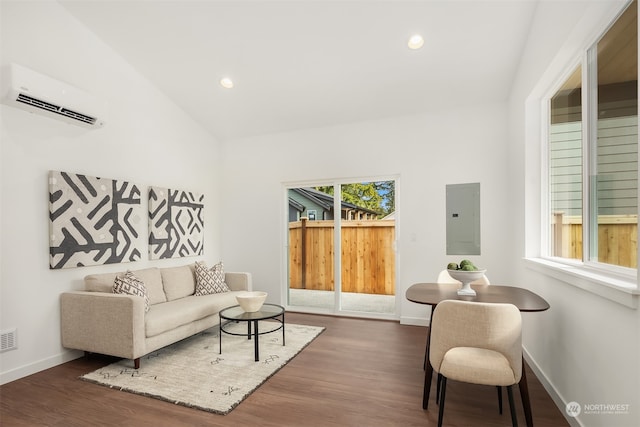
[[442, 392], [514, 419], [426, 348], [438, 388], [499, 398]]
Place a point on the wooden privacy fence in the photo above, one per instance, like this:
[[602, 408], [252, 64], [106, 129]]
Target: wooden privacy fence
[[368, 257], [617, 238]]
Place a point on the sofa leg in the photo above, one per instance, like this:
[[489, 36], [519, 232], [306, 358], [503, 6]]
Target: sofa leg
[[136, 363]]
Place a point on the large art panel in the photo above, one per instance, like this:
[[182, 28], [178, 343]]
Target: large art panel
[[92, 221], [176, 223]]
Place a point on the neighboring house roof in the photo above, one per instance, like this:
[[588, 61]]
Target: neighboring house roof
[[392, 215], [325, 200], [296, 205], [322, 199]]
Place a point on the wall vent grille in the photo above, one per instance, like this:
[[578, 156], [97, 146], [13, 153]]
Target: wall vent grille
[[44, 105], [9, 340]]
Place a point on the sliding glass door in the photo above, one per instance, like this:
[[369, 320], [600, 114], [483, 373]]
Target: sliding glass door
[[311, 249], [341, 247]]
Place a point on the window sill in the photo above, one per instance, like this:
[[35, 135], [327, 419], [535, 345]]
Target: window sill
[[622, 291]]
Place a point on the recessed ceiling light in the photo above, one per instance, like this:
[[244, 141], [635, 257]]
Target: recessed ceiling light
[[415, 41], [226, 82]]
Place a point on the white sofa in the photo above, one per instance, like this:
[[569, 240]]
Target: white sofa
[[98, 321]]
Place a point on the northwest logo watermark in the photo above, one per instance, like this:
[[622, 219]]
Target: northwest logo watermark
[[573, 409]]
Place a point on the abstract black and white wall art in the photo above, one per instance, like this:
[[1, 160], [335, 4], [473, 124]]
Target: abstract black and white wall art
[[92, 221], [176, 223]]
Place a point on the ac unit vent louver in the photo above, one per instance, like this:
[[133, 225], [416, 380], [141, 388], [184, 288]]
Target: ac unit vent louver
[[55, 109], [40, 94]]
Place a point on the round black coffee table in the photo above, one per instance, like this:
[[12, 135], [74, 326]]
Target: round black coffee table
[[237, 314]]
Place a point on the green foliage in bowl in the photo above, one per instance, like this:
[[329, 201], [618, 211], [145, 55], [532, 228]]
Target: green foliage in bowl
[[465, 265]]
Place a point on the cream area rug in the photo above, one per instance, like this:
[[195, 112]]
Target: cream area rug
[[193, 373]]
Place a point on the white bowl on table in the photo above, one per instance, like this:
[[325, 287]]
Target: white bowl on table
[[466, 277], [251, 301]]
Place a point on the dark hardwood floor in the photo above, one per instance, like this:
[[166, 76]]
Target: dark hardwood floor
[[356, 373]]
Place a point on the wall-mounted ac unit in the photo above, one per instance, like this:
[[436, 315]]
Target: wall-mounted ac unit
[[34, 92]]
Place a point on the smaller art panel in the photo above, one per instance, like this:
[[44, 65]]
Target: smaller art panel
[[92, 221], [176, 223]]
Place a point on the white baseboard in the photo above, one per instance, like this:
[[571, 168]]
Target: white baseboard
[[414, 321], [41, 365], [548, 386]]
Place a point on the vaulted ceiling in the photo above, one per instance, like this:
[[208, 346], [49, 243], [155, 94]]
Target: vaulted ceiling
[[307, 63]]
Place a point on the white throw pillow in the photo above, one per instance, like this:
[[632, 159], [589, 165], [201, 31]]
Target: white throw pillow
[[210, 281]]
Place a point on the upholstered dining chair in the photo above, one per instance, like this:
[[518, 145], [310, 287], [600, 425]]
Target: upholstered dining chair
[[445, 277], [478, 343]]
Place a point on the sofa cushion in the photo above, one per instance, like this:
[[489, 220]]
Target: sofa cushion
[[210, 281], [100, 282], [178, 282], [150, 276], [165, 317], [153, 281], [129, 284]]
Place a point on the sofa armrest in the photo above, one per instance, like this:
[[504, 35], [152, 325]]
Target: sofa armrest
[[238, 281], [105, 323]]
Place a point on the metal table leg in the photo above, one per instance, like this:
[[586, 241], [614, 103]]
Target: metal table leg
[[255, 338]]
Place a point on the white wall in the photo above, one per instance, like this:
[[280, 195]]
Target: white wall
[[586, 347], [147, 140], [426, 151]]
